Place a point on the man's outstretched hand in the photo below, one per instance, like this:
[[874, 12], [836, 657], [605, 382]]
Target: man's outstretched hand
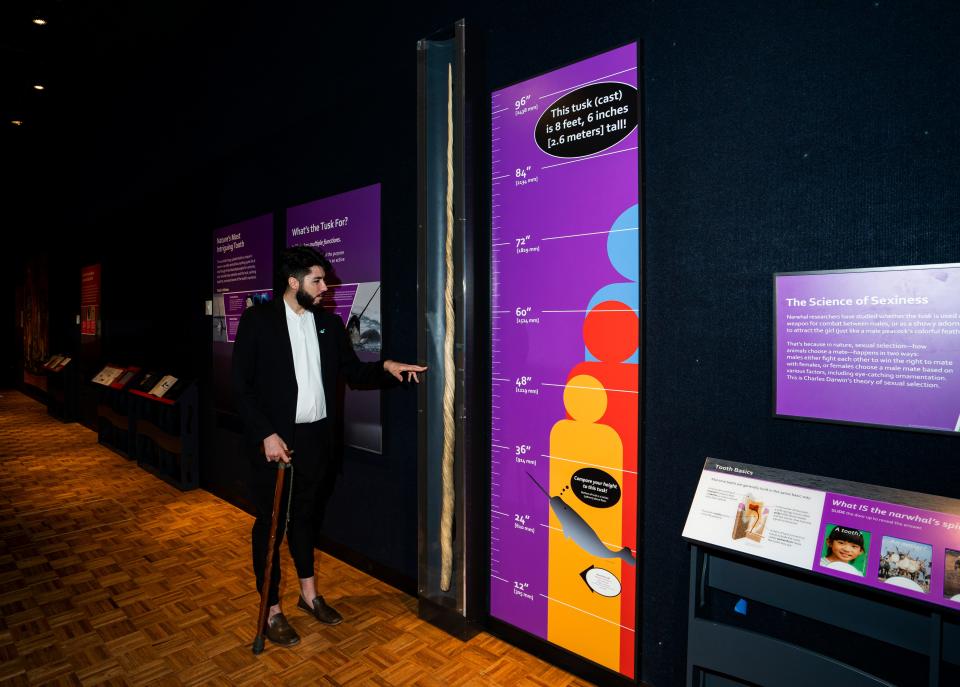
[[397, 370]]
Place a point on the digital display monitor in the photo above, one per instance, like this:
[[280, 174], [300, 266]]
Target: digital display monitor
[[872, 347]]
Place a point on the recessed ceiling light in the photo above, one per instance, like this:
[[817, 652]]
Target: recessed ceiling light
[[39, 21], [16, 122], [38, 86]]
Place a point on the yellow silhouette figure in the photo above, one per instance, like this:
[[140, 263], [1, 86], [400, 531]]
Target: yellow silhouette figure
[[579, 619]]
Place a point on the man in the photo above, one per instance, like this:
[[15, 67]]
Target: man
[[287, 360]]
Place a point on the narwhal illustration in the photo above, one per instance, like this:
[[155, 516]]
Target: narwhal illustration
[[576, 528]]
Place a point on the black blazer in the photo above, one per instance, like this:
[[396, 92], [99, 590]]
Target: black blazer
[[264, 380]]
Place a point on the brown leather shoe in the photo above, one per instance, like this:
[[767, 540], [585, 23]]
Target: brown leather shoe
[[321, 611], [279, 631]]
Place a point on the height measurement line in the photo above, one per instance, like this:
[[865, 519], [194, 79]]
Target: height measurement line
[[564, 603], [596, 311], [590, 388], [588, 233], [592, 157], [593, 465], [586, 83]]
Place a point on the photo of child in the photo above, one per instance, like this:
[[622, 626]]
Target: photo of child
[[845, 550], [951, 575], [906, 564]]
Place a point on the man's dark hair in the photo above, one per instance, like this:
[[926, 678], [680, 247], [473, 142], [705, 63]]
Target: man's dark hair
[[297, 262]]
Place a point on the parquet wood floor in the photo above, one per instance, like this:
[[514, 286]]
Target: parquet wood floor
[[109, 576]]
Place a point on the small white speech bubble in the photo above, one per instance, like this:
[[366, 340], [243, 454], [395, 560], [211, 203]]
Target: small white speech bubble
[[603, 582]]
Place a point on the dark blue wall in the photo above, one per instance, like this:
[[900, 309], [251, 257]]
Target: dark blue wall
[[779, 136]]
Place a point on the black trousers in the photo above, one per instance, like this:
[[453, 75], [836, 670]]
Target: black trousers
[[311, 446]]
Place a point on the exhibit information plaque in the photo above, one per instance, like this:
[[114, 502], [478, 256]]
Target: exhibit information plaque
[[242, 272], [875, 347], [565, 334], [346, 229], [898, 541]]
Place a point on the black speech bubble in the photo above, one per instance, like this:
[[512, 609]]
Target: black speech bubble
[[595, 488], [588, 120]]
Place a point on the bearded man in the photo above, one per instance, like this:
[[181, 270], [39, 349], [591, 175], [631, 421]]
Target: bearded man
[[288, 358]]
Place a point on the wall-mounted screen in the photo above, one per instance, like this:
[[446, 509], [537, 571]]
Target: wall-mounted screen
[[873, 346], [565, 337]]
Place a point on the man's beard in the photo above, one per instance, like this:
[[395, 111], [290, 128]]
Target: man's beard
[[304, 299]]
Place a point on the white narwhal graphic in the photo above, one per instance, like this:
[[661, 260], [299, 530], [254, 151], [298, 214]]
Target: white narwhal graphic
[[576, 528]]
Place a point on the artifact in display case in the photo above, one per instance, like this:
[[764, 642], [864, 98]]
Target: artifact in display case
[[108, 375], [163, 386], [177, 389], [147, 381], [56, 363], [124, 379]]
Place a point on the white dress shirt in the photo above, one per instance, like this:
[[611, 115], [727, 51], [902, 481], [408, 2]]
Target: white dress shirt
[[311, 402]]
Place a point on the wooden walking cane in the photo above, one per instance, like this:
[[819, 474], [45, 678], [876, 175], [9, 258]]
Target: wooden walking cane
[[265, 591]]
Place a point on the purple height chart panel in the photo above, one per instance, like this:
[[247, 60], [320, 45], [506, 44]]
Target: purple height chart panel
[[242, 272], [565, 179], [346, 228], [875, 347]]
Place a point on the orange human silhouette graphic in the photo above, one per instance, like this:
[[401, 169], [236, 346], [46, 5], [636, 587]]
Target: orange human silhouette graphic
[[575, 443]]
